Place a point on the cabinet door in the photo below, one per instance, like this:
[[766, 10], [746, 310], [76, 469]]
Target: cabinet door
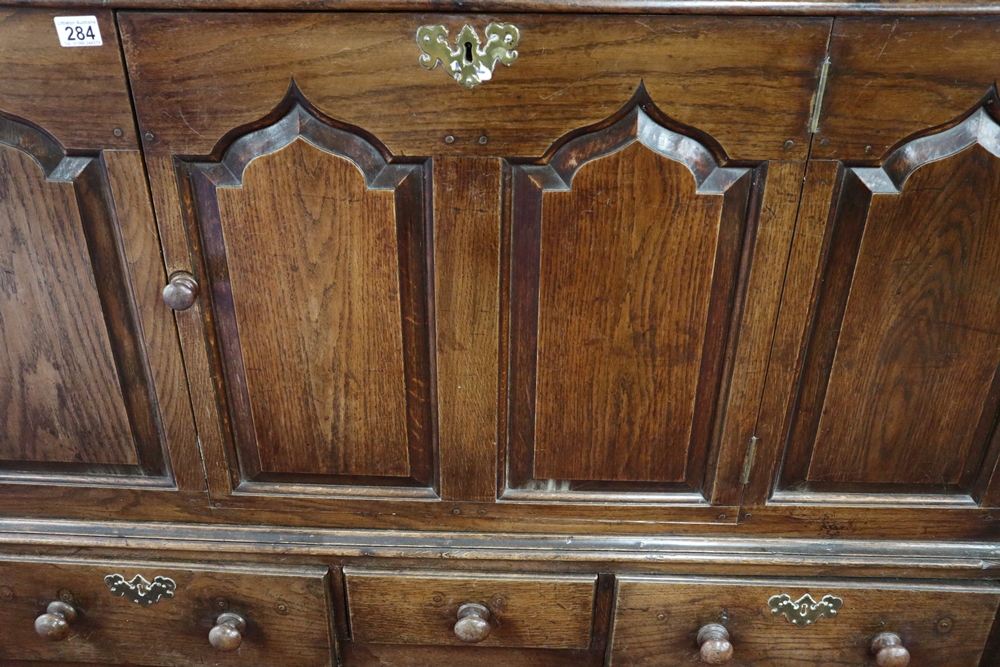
[[890, 397], [362, 227], [92, 395]]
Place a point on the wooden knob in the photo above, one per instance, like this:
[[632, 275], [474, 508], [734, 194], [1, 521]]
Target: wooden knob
[[473, 625], [181, 291], [889, 650], [227, 635], [53, 625], [713, 640]]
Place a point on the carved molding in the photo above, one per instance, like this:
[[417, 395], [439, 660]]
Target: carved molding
[[636, 125], [979, 128], [42, 148], [301, 122]]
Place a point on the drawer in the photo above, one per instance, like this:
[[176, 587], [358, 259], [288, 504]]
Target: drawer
[[657, 621], [155, 614], [499, 610]]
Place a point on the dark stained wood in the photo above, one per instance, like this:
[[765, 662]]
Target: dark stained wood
[[527, 611], [697, 69], [657, 620], [144, 258], [285, 609], [618, 357], [343, 394], [620, 347], [466, 298], [904, 319], [79, 95], [737, 7], [801, 285], [312, 263], [895, 77], [61, 400], [776, 218], [378, 655]]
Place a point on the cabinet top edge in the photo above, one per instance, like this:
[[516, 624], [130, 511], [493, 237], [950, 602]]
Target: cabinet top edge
[[733, 7]]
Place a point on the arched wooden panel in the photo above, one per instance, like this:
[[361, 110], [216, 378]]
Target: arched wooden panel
[[626, 251], [899, 388], [314, 251], [75, 389]]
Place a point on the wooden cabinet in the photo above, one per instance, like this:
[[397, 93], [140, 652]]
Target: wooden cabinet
[[592, 280], [529, 338], [94, 402]]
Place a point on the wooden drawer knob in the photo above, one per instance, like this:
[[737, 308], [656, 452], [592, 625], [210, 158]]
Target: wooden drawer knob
[[713, 640], [53, 625], [227, 635], [473, 625], [181, 291], [889, 650]]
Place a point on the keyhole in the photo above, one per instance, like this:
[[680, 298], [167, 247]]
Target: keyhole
[[468, 52]]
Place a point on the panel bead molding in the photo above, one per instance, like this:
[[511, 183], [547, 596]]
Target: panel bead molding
[[898, 394], [314, 290], [75, 384], [616, 381]]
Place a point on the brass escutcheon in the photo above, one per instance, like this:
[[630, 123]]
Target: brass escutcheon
[[471, 62], [805, 610], [139, 590]]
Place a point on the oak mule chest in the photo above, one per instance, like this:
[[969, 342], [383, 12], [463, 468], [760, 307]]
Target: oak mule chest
[[638, 333]]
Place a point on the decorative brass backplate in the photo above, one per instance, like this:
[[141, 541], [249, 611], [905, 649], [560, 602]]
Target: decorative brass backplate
[[470, 62], [139, 590], [805, 610]]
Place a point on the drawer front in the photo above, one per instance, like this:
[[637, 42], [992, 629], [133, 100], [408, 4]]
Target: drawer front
[[423, 608], [285, 612], [657, 621]]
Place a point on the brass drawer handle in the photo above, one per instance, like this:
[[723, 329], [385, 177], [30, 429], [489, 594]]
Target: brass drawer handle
[[471, 62], [227, 635], [181, 291], [53, 625], [889, 650], [473, 625], [714, 645]]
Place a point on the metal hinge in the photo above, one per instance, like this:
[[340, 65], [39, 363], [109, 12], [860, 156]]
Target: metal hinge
[[748, 461], [818, 100]]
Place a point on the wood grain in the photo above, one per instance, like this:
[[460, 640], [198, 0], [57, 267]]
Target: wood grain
[[919, 345], [61, 399], [624, 290], [528, 611], [114, 630], [657, 620], [466, 297], [314, 270], [892, 78], [377, 655], [799, 290], [905, 319], [79, 95], [776, 214], [572, 71]]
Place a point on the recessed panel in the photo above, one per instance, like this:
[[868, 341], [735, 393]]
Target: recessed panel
[[313, 263], [60, 397], [624, 290]]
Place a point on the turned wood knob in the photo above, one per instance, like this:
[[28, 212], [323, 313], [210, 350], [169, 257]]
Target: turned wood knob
[[889, 650], [473, 623], [53, 625], [181, 291], [227, 635], [713, 640]]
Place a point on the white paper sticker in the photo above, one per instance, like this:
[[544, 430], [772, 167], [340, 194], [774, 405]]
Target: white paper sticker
[[78, 31]]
